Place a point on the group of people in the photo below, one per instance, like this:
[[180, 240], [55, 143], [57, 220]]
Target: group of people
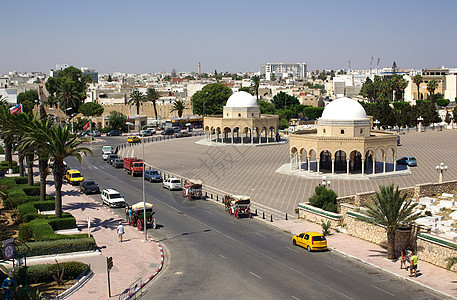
[[411, 257]]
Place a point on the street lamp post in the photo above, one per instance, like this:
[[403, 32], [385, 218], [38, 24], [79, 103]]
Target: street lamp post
[[144, 196], [441, 169], [420, 119], [325, 182]]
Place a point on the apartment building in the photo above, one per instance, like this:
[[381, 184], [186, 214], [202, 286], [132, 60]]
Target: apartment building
[[282, 70]]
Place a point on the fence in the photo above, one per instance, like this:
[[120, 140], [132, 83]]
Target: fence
[[135, 290]]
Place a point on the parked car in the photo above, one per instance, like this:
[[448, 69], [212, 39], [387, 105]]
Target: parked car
[[407, 160], [74, 177], [114, 133], [168, 131], [133, 139], [172, 184], [112, 198], [310, 240], [147, 132], [111, 158], [89, 186], [183, 134], [176, 129], [118, 163], [152, 176]]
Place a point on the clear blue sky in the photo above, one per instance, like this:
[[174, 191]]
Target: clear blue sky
[[153, 36]]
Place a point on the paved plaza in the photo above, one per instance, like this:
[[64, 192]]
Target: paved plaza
[[250, 170]]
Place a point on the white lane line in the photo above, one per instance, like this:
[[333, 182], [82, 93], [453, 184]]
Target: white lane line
[[256, 275], [261, 235], [208, 211], [222, 256], [382, 290], [230, 221], [333, 268], [295, 298], [292, 250]]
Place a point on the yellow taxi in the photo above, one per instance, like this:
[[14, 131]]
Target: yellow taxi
[[310, 240], [133, 139], [74, 177]]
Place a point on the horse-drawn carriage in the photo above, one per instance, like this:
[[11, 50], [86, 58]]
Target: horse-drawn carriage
[[136, 216], [238, 205], [192, 189]]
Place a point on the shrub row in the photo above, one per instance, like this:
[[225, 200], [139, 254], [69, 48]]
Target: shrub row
[[29, 210], [6, 163], [59, 246], [43, 273], [32, 191], [2, 151], [43, 229]]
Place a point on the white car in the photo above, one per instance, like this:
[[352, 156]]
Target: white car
[[172, 184], [112, 198], [106, 150]]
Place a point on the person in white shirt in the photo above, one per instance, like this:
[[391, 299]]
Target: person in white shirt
[[120, 231]]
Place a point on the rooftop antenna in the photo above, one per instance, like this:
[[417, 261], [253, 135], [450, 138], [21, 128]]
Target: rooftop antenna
[[349, 66]]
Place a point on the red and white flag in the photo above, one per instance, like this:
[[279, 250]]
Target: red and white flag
[[16, 109], [86, 126]]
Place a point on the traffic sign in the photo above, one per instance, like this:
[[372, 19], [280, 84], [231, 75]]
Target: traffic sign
[[8, 251]]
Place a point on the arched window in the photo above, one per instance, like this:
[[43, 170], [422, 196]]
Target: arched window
[[361, 131], [227, 115], [252, 114], [239, 115], [324, 130], [342, 131]]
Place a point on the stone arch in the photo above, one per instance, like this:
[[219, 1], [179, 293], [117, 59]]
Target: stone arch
[[302, 152], [325, 159], [293, 150], [207, 128], [355, 163], [340, 160]]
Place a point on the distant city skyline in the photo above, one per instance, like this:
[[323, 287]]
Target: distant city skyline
[[236, 36]]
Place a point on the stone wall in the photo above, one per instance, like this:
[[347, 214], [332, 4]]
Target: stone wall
[[163, 110], [435, 252], [317, 215], [431, 189]]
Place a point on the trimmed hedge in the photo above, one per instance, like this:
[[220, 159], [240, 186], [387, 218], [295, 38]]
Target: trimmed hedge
[[25, 232], [32, 191], [59, 246], [21, 180], [2, 151], [6, 163], [43, 273], [63, 223], [43, 229]]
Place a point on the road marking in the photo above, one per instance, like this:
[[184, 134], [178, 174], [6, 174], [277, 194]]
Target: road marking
[[295, 298], [222, 256], [230, 221], [208, 211], [261, 235], [308, 277], [382, 290], [292, 250], [333, 268], [256, 275]]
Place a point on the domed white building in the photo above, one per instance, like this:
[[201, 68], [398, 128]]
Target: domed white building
[[343, 143], [241, 122]]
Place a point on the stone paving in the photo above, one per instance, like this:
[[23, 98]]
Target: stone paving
[[251, 170]]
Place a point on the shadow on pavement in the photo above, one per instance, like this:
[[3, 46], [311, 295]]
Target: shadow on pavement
[[81, 206], [183, 234]]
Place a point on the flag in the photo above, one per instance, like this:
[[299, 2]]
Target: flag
[[16, 109], [86, 126], [128, 117]]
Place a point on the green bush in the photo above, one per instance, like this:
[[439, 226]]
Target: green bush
[[45, 205], [41, 229], [32, 191], [59, 246], [20, 180], [25, 232], [324, 198], [442, 102], [43, 273], [6, 163], [63, 223], [2, 151], [26, 208]]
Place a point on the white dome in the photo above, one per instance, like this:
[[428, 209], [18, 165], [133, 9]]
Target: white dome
[[241, 99], [344, 109]]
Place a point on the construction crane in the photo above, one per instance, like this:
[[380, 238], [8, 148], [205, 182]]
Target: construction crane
[[349, 65], [377, 66]]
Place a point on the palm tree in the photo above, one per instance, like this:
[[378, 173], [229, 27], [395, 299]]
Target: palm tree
[[30, 140], [178, 106], [136, 98], [60, 144], [68, 96], [417, 79], [21, 128], [152, 95], [5, 124], [432, 85], [256, 84], [391, 209]]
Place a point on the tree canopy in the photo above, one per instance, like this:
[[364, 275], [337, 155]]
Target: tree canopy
[[117, 120], [27, 99], [284, 101], [211, 98], [91, 109]]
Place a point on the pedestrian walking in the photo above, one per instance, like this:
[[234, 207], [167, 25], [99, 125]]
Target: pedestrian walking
[[120, 231], [413, 266], [7, 286], [403, 259]]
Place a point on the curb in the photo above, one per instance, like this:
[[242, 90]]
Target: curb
[[390, 272]]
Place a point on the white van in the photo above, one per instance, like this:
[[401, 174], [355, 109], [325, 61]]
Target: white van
[[106, 150]]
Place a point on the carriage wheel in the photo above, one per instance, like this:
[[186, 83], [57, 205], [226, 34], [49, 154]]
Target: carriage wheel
[[249, 216], [236, 214], [184, 192], [154, 224], [139, 225], [132, 222], [189, 196]]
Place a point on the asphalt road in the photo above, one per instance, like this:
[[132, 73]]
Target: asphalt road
[[210, 254]]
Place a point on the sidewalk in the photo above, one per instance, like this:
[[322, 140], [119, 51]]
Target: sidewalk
[[430, 276], [132, 258]]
